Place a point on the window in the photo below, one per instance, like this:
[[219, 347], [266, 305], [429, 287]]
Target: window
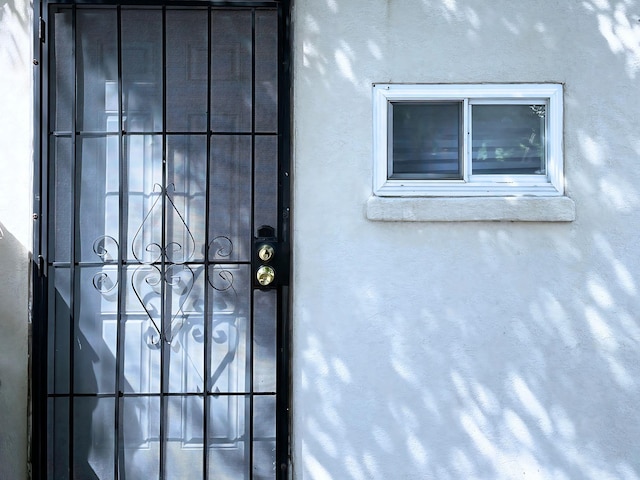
[[468, 140]]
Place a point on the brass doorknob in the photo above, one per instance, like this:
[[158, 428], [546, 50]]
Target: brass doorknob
[[266, 252], [265, 275]]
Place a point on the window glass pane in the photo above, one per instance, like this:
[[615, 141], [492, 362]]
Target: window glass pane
[[508, 139], [426, 140]]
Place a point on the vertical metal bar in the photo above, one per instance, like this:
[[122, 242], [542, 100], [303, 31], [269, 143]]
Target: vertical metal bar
[[284, 203], [253, 211], [38, 342], [122, 240], [284, 85], [205, 320], [282, 384], [163, 343], [72, 255]]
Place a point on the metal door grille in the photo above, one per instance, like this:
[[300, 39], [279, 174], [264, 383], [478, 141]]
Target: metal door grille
[[163, 152]]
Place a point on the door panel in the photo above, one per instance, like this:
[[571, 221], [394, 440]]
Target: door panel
[[164, 160]]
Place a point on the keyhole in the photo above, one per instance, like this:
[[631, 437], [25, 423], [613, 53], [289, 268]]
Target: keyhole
[[265, 252], [265, 275]]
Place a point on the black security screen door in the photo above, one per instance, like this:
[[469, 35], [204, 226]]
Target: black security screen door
[[158, 351]]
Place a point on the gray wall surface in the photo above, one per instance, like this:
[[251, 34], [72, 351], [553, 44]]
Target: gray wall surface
[[15, 231], [466, 350]]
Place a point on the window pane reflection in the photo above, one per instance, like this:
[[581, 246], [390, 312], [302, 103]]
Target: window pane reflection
[[508, 139], [426, 140]]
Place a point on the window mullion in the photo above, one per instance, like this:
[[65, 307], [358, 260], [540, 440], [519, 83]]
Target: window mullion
[[547, 138], [467, 144]]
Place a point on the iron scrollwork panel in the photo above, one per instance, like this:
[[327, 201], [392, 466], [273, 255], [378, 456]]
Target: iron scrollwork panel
[[169, 292]]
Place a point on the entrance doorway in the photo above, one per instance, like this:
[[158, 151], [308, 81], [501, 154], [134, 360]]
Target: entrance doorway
[[160, 309]]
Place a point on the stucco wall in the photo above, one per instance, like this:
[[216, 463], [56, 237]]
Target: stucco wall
[[466, 350], [15, 231]]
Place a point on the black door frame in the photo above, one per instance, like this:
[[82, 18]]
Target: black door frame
[[39, 312]]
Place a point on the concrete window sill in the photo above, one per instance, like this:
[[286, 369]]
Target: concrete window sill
[[471, 209]]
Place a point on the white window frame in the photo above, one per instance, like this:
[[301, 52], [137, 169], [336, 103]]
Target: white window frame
[[549, 184]]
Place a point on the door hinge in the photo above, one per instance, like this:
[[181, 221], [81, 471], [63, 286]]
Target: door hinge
[[42, 26], [40, 266]]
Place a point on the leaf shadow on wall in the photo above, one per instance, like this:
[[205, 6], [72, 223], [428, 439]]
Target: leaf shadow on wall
[[469, 350]]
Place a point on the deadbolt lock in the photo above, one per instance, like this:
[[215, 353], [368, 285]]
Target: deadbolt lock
[[269, 255], [265, 275], [265, 252]]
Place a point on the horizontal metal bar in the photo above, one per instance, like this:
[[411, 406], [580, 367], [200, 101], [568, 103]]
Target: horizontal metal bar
[[66, 133], [158, 394], [115, 263], [267, 4], [255, 134]]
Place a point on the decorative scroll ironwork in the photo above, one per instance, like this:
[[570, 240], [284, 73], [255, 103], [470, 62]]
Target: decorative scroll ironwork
[[176, 283], [164, 281], [101, 247], [220, 279], [175, 280], [104, 247], [103, 283], [171, 250], [221, 246]]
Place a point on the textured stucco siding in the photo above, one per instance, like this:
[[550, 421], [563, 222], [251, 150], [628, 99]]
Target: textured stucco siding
[[15, 231], [466, 350]]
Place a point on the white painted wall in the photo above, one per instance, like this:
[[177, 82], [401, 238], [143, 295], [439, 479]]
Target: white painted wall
[[15, 231], [466, 350]]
